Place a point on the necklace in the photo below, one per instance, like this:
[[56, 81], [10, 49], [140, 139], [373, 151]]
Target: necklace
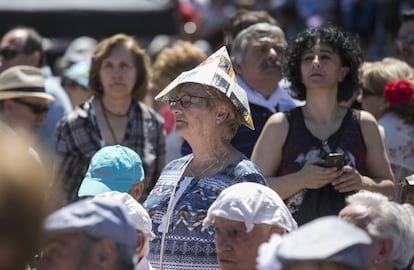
[[105, 109], [221, 158], [108, 124]]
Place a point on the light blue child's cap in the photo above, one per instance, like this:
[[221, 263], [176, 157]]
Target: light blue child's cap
[[112, 168], [79, 73]]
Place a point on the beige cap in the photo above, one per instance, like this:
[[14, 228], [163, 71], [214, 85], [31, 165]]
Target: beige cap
[[23, 81]]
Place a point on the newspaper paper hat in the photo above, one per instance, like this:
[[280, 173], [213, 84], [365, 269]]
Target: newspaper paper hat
[[216, 71], [136, 211]]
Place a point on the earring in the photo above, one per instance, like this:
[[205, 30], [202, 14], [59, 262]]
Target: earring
[[218, 122]]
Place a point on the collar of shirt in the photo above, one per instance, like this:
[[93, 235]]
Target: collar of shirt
[[256, 98]]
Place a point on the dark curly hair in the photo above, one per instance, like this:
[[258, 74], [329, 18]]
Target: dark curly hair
[[345, 44]]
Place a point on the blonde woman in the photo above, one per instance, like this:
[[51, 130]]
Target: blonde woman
[[388, 93]]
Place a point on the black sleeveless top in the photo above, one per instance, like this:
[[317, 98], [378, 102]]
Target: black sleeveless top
[[301, 145]]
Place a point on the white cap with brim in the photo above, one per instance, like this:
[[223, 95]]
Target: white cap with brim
[[323, 239], [216, 71], [136, 212], [100, 218], [22, 82], [251, 203]]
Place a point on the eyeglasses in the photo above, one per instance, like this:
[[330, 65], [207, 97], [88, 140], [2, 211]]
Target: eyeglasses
[[36, 108], [185, 101], [8, 53]]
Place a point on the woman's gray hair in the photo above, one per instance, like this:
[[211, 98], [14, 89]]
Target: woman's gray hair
[[389, 220], [254, 31]]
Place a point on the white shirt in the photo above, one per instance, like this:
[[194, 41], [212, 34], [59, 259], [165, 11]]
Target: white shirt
[[280, 97]]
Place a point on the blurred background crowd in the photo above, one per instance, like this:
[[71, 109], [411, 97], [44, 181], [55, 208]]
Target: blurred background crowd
[[113, 156], [156, 23]]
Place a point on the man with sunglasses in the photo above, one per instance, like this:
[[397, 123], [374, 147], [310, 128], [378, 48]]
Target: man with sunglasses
[[405, 37], [23, 100], [23, 46]]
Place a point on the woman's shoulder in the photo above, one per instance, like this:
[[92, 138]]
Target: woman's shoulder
[[243, 167], [278, 119], [364, 116], [367, 120]]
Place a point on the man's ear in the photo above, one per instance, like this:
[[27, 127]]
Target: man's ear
[[140, 250], [236, 66], [136, 191], [386, 248], [383, 250]]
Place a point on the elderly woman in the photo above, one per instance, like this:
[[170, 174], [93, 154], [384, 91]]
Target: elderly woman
[[114, 115], [208, 107], [322, 65], [388, 94]]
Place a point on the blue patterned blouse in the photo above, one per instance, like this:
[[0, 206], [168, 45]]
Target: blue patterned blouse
[[186, 245]]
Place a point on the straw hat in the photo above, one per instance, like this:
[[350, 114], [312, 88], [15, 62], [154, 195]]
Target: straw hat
[[23, 81]]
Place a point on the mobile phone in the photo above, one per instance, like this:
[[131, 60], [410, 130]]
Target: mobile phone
[[334, 160]]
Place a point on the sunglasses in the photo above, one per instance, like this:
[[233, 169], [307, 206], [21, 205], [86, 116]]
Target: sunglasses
[[36, 108], [185, 101], [8, 53]]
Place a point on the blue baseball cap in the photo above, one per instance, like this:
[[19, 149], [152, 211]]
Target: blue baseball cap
[[100, 218], [112, 168]]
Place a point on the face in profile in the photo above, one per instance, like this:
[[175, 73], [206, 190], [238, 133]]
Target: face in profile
[[188, 105]]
